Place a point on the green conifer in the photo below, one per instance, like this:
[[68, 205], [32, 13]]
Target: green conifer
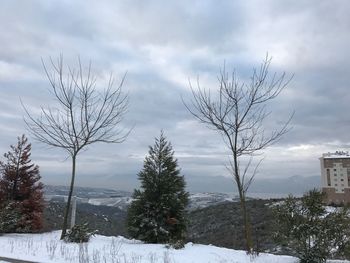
[[157, 214]]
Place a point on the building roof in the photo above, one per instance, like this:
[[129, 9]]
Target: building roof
[[335, 155]]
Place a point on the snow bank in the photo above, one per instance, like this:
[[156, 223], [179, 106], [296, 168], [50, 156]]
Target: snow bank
[[48, 248]]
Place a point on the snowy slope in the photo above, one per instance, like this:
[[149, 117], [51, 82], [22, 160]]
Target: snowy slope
[[47, 248]]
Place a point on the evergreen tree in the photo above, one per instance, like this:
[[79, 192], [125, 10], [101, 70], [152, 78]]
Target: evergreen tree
[[157, 214], [311, 232], [20, 187], [10, 217]]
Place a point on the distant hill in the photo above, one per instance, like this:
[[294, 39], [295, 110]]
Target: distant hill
[[215, 190], [85, 192], [296, 185]]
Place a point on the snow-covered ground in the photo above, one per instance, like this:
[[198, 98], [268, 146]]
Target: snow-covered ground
[[47, 248]]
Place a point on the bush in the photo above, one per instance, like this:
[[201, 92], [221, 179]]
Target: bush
[[79, 234], [12, 220], [312, 233], [176, 244]]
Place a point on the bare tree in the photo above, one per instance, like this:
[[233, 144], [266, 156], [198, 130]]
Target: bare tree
[[238, 112], [83, 115]]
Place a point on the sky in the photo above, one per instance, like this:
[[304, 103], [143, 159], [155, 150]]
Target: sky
[[164, 45]]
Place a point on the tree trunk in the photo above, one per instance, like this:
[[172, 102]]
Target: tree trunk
[[66, 212], [246, 218], [73, 212], [247, 225]]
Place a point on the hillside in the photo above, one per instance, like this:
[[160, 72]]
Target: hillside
[[217, 224], [221, 225]]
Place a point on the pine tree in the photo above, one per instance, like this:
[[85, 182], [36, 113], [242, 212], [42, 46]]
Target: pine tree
[[20, 186], [157, 214]]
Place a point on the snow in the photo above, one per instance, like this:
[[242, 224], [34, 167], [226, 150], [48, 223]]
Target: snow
[[48, 248], [111, 201], [337, 154], [337, 157]]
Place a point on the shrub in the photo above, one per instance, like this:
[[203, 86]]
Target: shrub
[[10, 218], [79, 234], [312, 233], [176, 244]]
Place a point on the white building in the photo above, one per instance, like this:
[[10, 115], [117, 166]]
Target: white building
[[335, 172]]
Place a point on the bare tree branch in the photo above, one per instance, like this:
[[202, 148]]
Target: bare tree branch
[[83, 115], [238, 112]]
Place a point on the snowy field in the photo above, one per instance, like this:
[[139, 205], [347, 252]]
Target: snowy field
[[47, 248]]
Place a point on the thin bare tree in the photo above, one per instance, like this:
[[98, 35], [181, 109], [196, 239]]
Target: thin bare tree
[[238, 112], [82, 116]]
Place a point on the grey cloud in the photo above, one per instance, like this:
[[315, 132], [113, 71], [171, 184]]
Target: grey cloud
[[174, 23], [162, 45]]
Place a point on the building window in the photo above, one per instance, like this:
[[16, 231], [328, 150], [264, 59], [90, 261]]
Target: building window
[[329, 177], [335, 174], [336, 184], [342, 179], [335, 170]]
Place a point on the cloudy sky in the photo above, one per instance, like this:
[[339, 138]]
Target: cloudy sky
[[164, 45]]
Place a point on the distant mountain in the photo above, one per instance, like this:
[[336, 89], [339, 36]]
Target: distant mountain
[[296, 185], [85, 192], [122, 199], [89, 195]]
